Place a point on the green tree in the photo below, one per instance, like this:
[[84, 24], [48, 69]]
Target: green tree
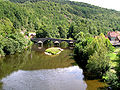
[[98, 63]]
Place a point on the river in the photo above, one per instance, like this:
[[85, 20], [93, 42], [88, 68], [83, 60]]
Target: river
[[33, 70]]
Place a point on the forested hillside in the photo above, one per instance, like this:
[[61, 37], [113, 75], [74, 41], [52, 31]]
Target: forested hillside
[[59, 18], [51, 18]]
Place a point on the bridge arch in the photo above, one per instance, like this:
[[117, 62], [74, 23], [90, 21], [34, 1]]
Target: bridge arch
[[56, 43]]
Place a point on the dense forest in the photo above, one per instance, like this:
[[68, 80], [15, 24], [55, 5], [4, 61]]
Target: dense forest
[[59, 18]]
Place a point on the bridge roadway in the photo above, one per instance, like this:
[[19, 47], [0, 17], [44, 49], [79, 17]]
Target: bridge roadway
[[42, 40]]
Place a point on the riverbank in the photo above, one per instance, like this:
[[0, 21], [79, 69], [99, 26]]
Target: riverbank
[[12, 46], [53, 51]]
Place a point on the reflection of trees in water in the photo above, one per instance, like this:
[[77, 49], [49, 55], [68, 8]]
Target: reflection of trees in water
[[41, 61], [64, 44], [34, 60], [49, 43], [1, 85], [12, 63]]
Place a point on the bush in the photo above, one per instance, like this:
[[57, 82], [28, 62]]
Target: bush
[[1, 52], [111, 78], [109, 45], [93, 53], [98, 63], [10, 46]]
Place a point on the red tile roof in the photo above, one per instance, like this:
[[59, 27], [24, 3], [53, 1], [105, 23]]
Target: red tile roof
[[113, 34]]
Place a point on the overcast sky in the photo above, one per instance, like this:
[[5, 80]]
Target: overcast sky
[[110, 4]]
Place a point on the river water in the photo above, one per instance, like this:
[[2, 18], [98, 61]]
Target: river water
[[33, 70]]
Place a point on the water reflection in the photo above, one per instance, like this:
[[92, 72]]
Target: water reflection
[[31, 61], [0, 85], [34, 60], [46, 79], [33, 70]]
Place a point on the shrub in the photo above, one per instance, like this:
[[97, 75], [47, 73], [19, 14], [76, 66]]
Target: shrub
[[98, 63], [111, 78], [1, 52]]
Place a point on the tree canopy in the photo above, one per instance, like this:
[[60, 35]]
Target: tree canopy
[[59, 18]]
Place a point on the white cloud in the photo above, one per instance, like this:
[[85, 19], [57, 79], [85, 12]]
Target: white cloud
[[110, 4]]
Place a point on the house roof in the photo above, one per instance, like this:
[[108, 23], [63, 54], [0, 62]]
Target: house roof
[[113, 34]]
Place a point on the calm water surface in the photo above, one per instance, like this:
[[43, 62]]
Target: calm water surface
[[33, 70]]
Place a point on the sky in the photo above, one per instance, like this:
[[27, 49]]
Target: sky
[[110, 4]]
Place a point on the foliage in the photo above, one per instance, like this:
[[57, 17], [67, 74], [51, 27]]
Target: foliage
[[98, 63], [118, 69], [112, 56], [109, 45], [112, 79], [91, 53], [112, 76], [1, 52], [59, 18], [82, 50], [11, 41]]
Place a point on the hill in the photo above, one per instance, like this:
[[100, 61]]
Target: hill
[[59, 18]]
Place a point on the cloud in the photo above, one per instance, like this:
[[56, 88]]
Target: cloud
[[110, 4]]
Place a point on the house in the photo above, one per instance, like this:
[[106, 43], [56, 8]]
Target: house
[[32, 34], [114, 36]]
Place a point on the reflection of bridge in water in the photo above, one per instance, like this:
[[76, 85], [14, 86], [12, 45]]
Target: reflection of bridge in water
[[40, 41]]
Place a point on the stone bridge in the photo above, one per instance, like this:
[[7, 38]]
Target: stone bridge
[[56, 41]]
